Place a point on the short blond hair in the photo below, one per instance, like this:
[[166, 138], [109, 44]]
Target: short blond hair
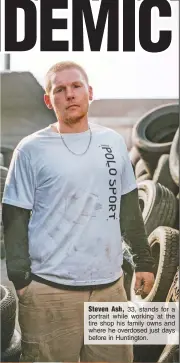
[[60, 66]]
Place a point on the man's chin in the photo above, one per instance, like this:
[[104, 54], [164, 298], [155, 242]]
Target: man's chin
[[73, 120]]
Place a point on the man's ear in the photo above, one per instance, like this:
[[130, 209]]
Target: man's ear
[[90, 93], [47, 101]]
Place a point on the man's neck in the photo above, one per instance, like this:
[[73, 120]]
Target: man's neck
[[63, 128]]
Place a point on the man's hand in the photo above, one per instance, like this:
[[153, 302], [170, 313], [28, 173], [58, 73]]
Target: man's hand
[[21, 291], [144, 283]]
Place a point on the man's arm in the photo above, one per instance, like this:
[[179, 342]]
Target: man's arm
[[133, 232], [15, 222]]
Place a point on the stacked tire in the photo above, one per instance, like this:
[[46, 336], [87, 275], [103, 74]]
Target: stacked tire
[[153, 134], [10, 337], [155, 160]]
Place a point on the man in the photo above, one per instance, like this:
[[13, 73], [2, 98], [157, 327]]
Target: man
[[68, 187]]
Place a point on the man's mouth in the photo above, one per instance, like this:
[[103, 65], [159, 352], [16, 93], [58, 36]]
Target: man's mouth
[[71, 106]]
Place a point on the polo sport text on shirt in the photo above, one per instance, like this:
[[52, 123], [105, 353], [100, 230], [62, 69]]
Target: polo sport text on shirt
[[111, 163]]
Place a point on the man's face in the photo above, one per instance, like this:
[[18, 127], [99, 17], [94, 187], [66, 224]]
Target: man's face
[[69, 96]]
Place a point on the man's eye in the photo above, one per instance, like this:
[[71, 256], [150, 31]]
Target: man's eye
[[58, 90], [76, 85]]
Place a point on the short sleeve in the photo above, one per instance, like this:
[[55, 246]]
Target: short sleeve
[[19, 187], [128, 180]]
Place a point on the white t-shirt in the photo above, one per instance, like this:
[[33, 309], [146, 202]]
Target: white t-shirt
[[74, 231]]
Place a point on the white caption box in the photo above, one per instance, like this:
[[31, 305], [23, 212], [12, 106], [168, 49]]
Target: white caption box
[[131, 323]]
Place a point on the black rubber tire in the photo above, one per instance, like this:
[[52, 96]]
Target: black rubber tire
[[173, 294], [140, 169], [152, 135], [164, 244], [162, 174], [174, 158], [170, 354], [13, 352], [158, 205], [8, 315], [3, 175], [134, 156], [7, 152], [143, 177]]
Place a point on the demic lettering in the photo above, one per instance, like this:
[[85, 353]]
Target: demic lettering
[[82, 14]]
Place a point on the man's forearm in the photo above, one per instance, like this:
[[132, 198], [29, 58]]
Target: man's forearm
[[15, 222], [133, 231]]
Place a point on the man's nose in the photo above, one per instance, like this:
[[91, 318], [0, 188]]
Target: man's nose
[[69, 93]]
